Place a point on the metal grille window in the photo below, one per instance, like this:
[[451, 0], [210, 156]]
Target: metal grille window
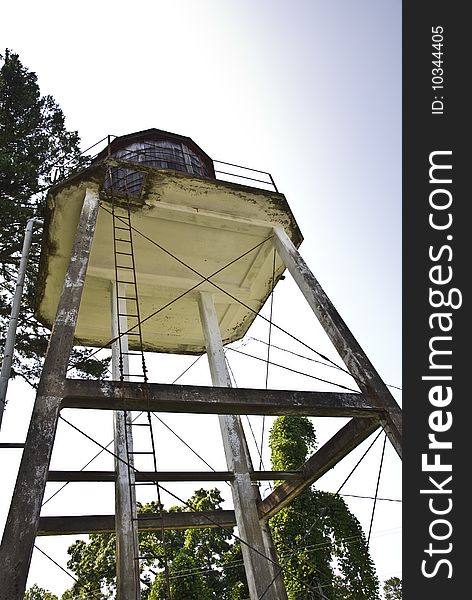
[[158, 154]]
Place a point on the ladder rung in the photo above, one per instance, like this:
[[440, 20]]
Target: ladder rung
[[124, 253], [123, 281], [120, 240], [140, 425], [128, 298], [127, 315], [141, 452], [123, 228]]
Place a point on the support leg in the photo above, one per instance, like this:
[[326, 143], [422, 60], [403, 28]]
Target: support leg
[[345, 343], [126, 524], [22, 522], [258, 568]]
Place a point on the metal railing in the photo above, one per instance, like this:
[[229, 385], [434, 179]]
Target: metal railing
[[184, 161], [239, 176]]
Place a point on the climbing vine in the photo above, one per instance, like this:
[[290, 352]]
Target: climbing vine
[[319, 541]]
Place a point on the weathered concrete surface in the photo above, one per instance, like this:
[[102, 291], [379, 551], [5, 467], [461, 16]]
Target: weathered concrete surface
[[70, 525], [141, 476], [81, 393], [257, 559], [205, 223], [22, 522], [367, 378]]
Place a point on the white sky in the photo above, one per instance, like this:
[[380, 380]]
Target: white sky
[[308, 90]]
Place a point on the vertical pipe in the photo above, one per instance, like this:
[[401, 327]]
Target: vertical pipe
[[15, 311]]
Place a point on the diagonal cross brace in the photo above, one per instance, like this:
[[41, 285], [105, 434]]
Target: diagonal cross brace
[[354, 357]]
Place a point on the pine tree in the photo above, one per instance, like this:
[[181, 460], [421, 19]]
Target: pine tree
[[35, 149]]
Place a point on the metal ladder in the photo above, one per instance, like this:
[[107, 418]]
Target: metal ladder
[[127, 311]]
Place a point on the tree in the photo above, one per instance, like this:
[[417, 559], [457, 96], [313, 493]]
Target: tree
[[320, 543], [37, 593], [203, 564], [93, 563], [192, 586], [35, 149], [392, 588]]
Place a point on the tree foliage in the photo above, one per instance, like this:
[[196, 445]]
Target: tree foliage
[[318, 540], [35, 149], [203, 564], [392, 588], [38, 593]]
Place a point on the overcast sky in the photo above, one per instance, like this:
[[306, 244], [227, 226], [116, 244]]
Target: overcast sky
[[308, 90]]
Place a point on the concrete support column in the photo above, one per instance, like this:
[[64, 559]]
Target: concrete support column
[[343, 340], [23, 518], [126, 524], [259, 571]]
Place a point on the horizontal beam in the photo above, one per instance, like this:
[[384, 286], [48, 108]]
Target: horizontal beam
[[150, 476], [116, 395], [71, 525], [345, 440], [335, 449], [12, 445]]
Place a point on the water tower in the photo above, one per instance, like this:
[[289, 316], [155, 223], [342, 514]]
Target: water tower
[[146, 250]]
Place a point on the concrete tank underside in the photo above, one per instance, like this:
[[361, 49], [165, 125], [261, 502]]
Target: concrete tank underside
[[204, 223]]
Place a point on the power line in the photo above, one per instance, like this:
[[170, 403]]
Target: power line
[[347, 540], [64, 570], [135, 418], [372, 498], [188, 505], [56, 563], [294, 370], [183, 441], [377, 488], [331, 366]]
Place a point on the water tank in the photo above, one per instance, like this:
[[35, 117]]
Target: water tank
[[157, 149]]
